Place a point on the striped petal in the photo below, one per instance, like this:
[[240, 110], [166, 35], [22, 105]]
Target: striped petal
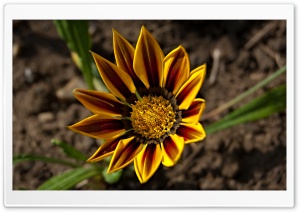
[[105, 150], [176, 69], [126, 151], [193, 113], [115, 79], [190, 89], [172, 149], [147, 162], [102, 126], [148, 60], [99, 102], [191, 132], [124, 53]]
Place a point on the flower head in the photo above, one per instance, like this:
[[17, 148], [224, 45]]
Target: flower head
[[152, 110]]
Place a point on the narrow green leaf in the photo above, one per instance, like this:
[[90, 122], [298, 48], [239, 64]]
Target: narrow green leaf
[[271, 102], [64, 32], [272, 99], [75, 33], [69, 150], [245, 94], [24, 158], [69, 179], [112, 177]]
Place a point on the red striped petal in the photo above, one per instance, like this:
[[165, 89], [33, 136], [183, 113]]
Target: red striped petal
[[147, 162], [190, 89], [105, 150], [191, 132], [101, 126], [193, 113], [125, 152], [115, 79], [148, 60], [176, 69], [172, 149], [124, 53], [99, 102]]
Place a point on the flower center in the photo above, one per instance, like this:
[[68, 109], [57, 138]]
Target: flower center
[[152, 117]]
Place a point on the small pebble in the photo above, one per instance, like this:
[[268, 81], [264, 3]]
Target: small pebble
[[45, 117], [28, 75], [229, 170], [16, 49], [66, 93]]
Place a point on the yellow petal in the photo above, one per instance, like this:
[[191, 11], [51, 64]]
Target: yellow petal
[[125, 152], [172, 149], [193, 113], [99, 102], [105, 150], [176, 69], [191, 132], [102, 126], [190, 89], [148, 60], [115, 79], [124, 53], [147, 162]]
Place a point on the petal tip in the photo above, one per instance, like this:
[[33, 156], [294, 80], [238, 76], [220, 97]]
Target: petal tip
[[71, 127], [144, 30], [94, 54], [143, 181], [181, 47], [204, 68], [89, 160], [115, 32], [92, 159], [109, 171], [113, 169], [76, 91]]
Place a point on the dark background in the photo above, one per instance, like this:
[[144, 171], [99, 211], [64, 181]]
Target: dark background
[[251, 156]]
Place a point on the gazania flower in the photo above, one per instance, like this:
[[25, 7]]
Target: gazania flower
[[152, 110]]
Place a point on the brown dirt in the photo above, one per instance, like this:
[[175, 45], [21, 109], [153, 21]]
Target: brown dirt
[[251, 156]]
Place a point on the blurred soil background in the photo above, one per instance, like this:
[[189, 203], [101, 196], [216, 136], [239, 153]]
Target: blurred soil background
[[251, 156]]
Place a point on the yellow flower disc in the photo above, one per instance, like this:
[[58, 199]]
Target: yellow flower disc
[[152, 117]]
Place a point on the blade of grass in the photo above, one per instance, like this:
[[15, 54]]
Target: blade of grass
[[245, 94], [69, 150], [70, 178], [261, 107], [23, 158]]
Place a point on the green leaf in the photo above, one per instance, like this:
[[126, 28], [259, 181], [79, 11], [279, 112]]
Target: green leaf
[[24, 158], [69, 150], [76, 35], [112, 177], [70, 178], [269, 103], [73, 32]]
